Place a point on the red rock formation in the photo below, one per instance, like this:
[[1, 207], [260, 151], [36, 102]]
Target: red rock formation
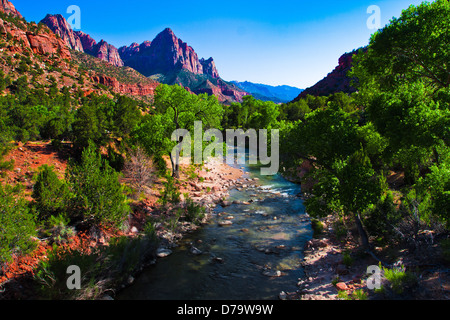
[[107, 52], [8, 8], [58, 24], [86, 41], [178, 63], [132, 89], [209, 68], [43, 43], [82, 42], [165, 54]]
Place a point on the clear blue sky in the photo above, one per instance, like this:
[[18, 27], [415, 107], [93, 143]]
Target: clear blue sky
[[273, 42]]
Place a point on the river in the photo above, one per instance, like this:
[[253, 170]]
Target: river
[[255, 258]]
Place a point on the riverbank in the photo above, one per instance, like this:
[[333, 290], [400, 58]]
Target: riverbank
[[336, 268], [206, 185]]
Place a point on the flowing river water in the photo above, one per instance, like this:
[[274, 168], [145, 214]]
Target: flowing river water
[[255, 258]]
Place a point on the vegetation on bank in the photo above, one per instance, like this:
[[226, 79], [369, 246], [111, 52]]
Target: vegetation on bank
[[397, 123]]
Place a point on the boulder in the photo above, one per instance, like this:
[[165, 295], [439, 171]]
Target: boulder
[[163, 252], [341, 286]]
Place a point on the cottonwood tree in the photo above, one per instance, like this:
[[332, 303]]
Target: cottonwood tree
[[343, 153], [404, 88], [176, 108]]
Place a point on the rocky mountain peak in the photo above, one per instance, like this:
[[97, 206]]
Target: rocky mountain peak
[[209, 68], [59, 25], [82, 42], [107, 52], [8, 8], [165, 54]]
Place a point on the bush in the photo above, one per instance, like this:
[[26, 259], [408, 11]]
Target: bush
[[60, 232], [347, 259], [99, 197], [51, 274], [17, 225], [49, 193], [317, 227], [381, 220], [193, 212], [101, 269], [399, 278], [445, 247], [170, 194]]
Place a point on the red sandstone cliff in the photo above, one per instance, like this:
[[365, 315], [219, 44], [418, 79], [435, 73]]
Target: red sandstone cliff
[[8, 8], [80, 41], [131, 89], [42, 43]]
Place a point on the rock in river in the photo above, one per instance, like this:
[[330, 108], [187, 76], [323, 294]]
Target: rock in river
[[163, 252], [195, 251]]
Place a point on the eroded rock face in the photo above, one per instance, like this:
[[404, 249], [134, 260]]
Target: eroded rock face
[[107, 52], [86, 41], [58, 24], [8, 8], [42, 43], [80, 41], [209, 68], [132, 89], [165, 54]]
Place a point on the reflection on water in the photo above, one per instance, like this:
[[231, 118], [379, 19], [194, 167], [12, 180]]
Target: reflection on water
[[255, 258]]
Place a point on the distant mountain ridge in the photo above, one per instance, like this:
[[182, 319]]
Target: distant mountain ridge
[[278, 94]]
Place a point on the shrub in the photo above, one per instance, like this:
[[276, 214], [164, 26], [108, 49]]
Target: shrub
[[17, 225], [381, 220], [399, 278], [359, 295], [193, 212], [138, 170], [317, 226], [170, 194], [101, 269], [99, 197], [445, 245], [347, 259], [49, 193], [51, 274], [60, 231]]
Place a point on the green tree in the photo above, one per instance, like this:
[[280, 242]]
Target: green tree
[[17, 225], [342, 152], [183, 109], [413, 47], [50, 194], [98, 196], [403, 80]]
